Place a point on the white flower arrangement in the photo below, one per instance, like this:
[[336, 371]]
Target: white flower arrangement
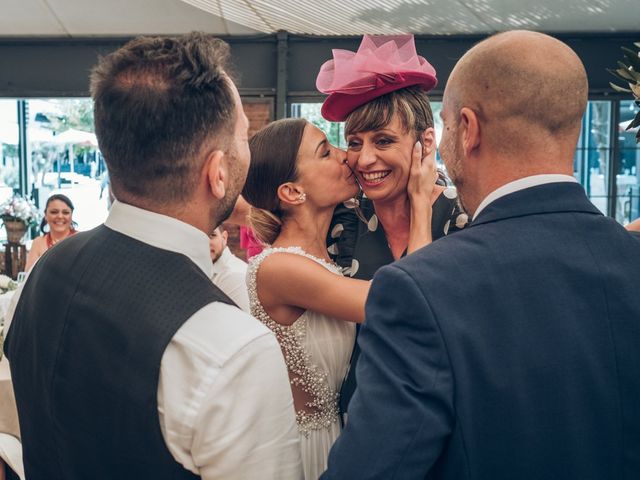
[[6, 283], [18, 208]]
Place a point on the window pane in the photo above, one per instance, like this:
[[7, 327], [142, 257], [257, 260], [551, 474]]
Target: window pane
[[311, 112], [627, 180], [65, 157], [438, 126], [591, 160]]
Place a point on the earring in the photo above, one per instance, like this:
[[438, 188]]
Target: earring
[[302, 197]]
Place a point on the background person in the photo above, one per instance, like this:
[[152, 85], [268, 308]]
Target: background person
[[58, 216], [229, 272]]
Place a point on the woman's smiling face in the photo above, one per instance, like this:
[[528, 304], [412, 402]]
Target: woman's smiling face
[[382, 159], [58, 216]]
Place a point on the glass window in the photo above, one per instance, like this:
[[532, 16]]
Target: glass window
[[627, 179], [591, 160], [311, 112], [65, 157]]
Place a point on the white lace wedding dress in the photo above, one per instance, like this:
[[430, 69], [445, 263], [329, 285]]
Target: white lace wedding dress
[[317, 349]]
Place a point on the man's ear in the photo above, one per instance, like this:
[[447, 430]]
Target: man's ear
[[428, 140], [470, 130], [289, 193], [216, 173]]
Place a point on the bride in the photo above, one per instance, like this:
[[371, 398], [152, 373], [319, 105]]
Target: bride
[[295, 181]]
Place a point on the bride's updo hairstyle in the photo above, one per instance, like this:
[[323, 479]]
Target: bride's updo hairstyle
[[274, 152]]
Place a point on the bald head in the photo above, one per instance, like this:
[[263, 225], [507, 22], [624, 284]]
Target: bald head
[[521, 84]]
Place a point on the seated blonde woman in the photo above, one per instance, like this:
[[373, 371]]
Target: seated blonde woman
[[58, 215]]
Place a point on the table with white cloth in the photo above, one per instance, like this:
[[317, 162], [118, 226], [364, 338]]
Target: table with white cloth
[[10, 447], [8, 411]]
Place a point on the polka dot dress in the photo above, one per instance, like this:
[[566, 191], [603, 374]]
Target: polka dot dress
[[358, 244]]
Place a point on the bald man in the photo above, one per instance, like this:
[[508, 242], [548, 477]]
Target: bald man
[[510, 350]]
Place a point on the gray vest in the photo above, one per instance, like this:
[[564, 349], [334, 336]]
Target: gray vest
[[85, 346]]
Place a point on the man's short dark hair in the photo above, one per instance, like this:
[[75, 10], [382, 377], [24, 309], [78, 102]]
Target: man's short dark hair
[[158, 103]]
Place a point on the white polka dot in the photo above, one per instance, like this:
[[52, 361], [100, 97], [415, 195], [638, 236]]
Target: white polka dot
[[461, 220], [355, 265], [337, 230], [373, 223], [450, 193], [446, 227], [333, 249]]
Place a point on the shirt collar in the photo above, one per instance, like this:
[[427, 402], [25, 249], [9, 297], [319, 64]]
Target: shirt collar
[[222, 261], [161, 231], [521, 184]]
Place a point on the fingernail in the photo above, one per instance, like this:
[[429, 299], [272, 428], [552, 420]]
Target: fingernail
[[417, 145]]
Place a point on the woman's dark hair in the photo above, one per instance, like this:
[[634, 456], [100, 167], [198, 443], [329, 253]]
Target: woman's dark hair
[[62, 198], [274, 151]]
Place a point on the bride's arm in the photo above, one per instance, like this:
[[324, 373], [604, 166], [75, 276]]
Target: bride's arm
[[292, 280], [422, 180], [634, 226]]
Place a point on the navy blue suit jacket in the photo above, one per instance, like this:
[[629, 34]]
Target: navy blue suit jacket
[[510, 350]]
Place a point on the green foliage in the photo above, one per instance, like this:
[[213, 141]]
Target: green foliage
[[333, 131], [629, 73]]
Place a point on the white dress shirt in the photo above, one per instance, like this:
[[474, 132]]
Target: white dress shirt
[[224, 401], [230, 275], [521, 184]]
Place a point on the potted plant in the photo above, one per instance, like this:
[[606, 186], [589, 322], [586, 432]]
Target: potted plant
[[18, 213], [629, 73]]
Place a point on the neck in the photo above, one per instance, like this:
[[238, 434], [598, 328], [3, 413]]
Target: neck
[[395, 217], [307, 229], [394, 214], [192, 212], [476, 188]]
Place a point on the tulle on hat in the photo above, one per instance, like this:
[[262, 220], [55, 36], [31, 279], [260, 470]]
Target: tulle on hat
[[382, 64]]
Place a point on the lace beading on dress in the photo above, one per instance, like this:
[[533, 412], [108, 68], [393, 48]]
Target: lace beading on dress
[[305, 375]]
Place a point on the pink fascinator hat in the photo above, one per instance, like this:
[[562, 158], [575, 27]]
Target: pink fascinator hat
[[381, 65]]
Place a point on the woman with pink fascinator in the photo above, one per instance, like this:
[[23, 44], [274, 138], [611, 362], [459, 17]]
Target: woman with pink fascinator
[[380, 92]]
